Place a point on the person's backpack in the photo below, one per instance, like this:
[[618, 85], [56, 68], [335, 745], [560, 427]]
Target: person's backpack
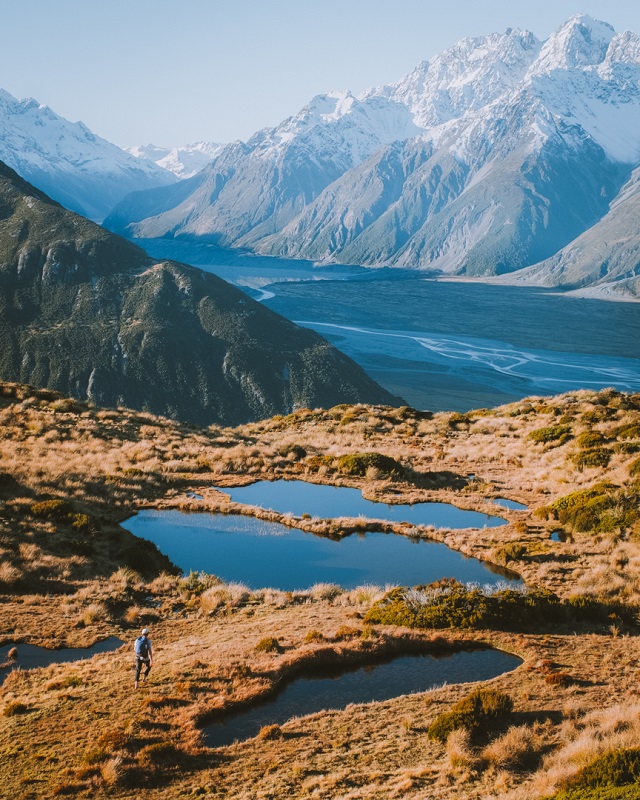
[[141, 647]]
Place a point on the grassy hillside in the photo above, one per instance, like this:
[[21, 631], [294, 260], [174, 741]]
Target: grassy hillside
[[86, 313], [70, 576]]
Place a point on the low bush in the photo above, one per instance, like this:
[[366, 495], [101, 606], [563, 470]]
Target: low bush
[[52, 509], [478, 713], [634, 468], [612, 776], [359, 463], [457, 420], [196, 583], [345, 632], [314, 636], [595, 457], [602, 508], [627, 448], [317, 462], [82, 523], [552, 433], [449, 604], [292, 451], [628, 431], [513, 551], [158, 754], [14, 708], [270, 732], [269, 645], [559, 679], [590, 439]]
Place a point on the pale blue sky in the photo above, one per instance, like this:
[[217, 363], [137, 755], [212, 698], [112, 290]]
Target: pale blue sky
[[176, 71]]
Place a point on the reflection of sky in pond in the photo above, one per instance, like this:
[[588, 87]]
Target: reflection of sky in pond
[[402, 675], [259, 553], [31, 656], [326, 502], [545, 370], [506, 503]]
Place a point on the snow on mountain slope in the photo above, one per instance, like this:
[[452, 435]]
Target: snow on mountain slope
[[487, 158], [252, 190], [184, 161], [605, 259], [67, 161], [465, 77]]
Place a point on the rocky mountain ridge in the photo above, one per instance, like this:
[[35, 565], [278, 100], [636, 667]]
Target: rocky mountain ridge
[[66, 160], [488, 158], [87, 313]]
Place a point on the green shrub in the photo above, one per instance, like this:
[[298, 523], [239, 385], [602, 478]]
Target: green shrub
[[552, 433], [602, 508], [618, 767], [513, 551], [629, 431], [590, 439], [52, 509], [596, 457], [314, 636], [478, 713], [612, 776], [359, 463], [448, 604], [196, 583], [317, 462], [599, 793], [269, 645], [83, 523], [293, 451], [627, 448]]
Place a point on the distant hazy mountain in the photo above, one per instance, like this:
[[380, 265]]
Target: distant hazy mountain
[[488, 158], [184, 161], [91, 315], [67, 161]]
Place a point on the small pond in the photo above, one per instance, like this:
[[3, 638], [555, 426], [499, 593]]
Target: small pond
[[560, 536], [260, 553], [326, 502], [319, 691], [30, 656], [506, 503]]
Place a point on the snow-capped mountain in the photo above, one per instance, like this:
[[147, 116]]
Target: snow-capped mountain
[[184, 161], [488, 158], [252, 190], [604, 260], [66, 160]]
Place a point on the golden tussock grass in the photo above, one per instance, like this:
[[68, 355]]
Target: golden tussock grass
[[76, 577]]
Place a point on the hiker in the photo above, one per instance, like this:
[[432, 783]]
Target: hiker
[[144, 655]]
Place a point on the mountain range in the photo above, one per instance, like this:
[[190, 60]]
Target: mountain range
[[84, 172], [493, 156], [184, 161], [503, 155], [89, 314]]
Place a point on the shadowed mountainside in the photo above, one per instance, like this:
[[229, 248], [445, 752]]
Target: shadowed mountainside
[[86, 313]]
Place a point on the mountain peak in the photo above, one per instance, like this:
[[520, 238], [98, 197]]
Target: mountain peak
[[581, 41]]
